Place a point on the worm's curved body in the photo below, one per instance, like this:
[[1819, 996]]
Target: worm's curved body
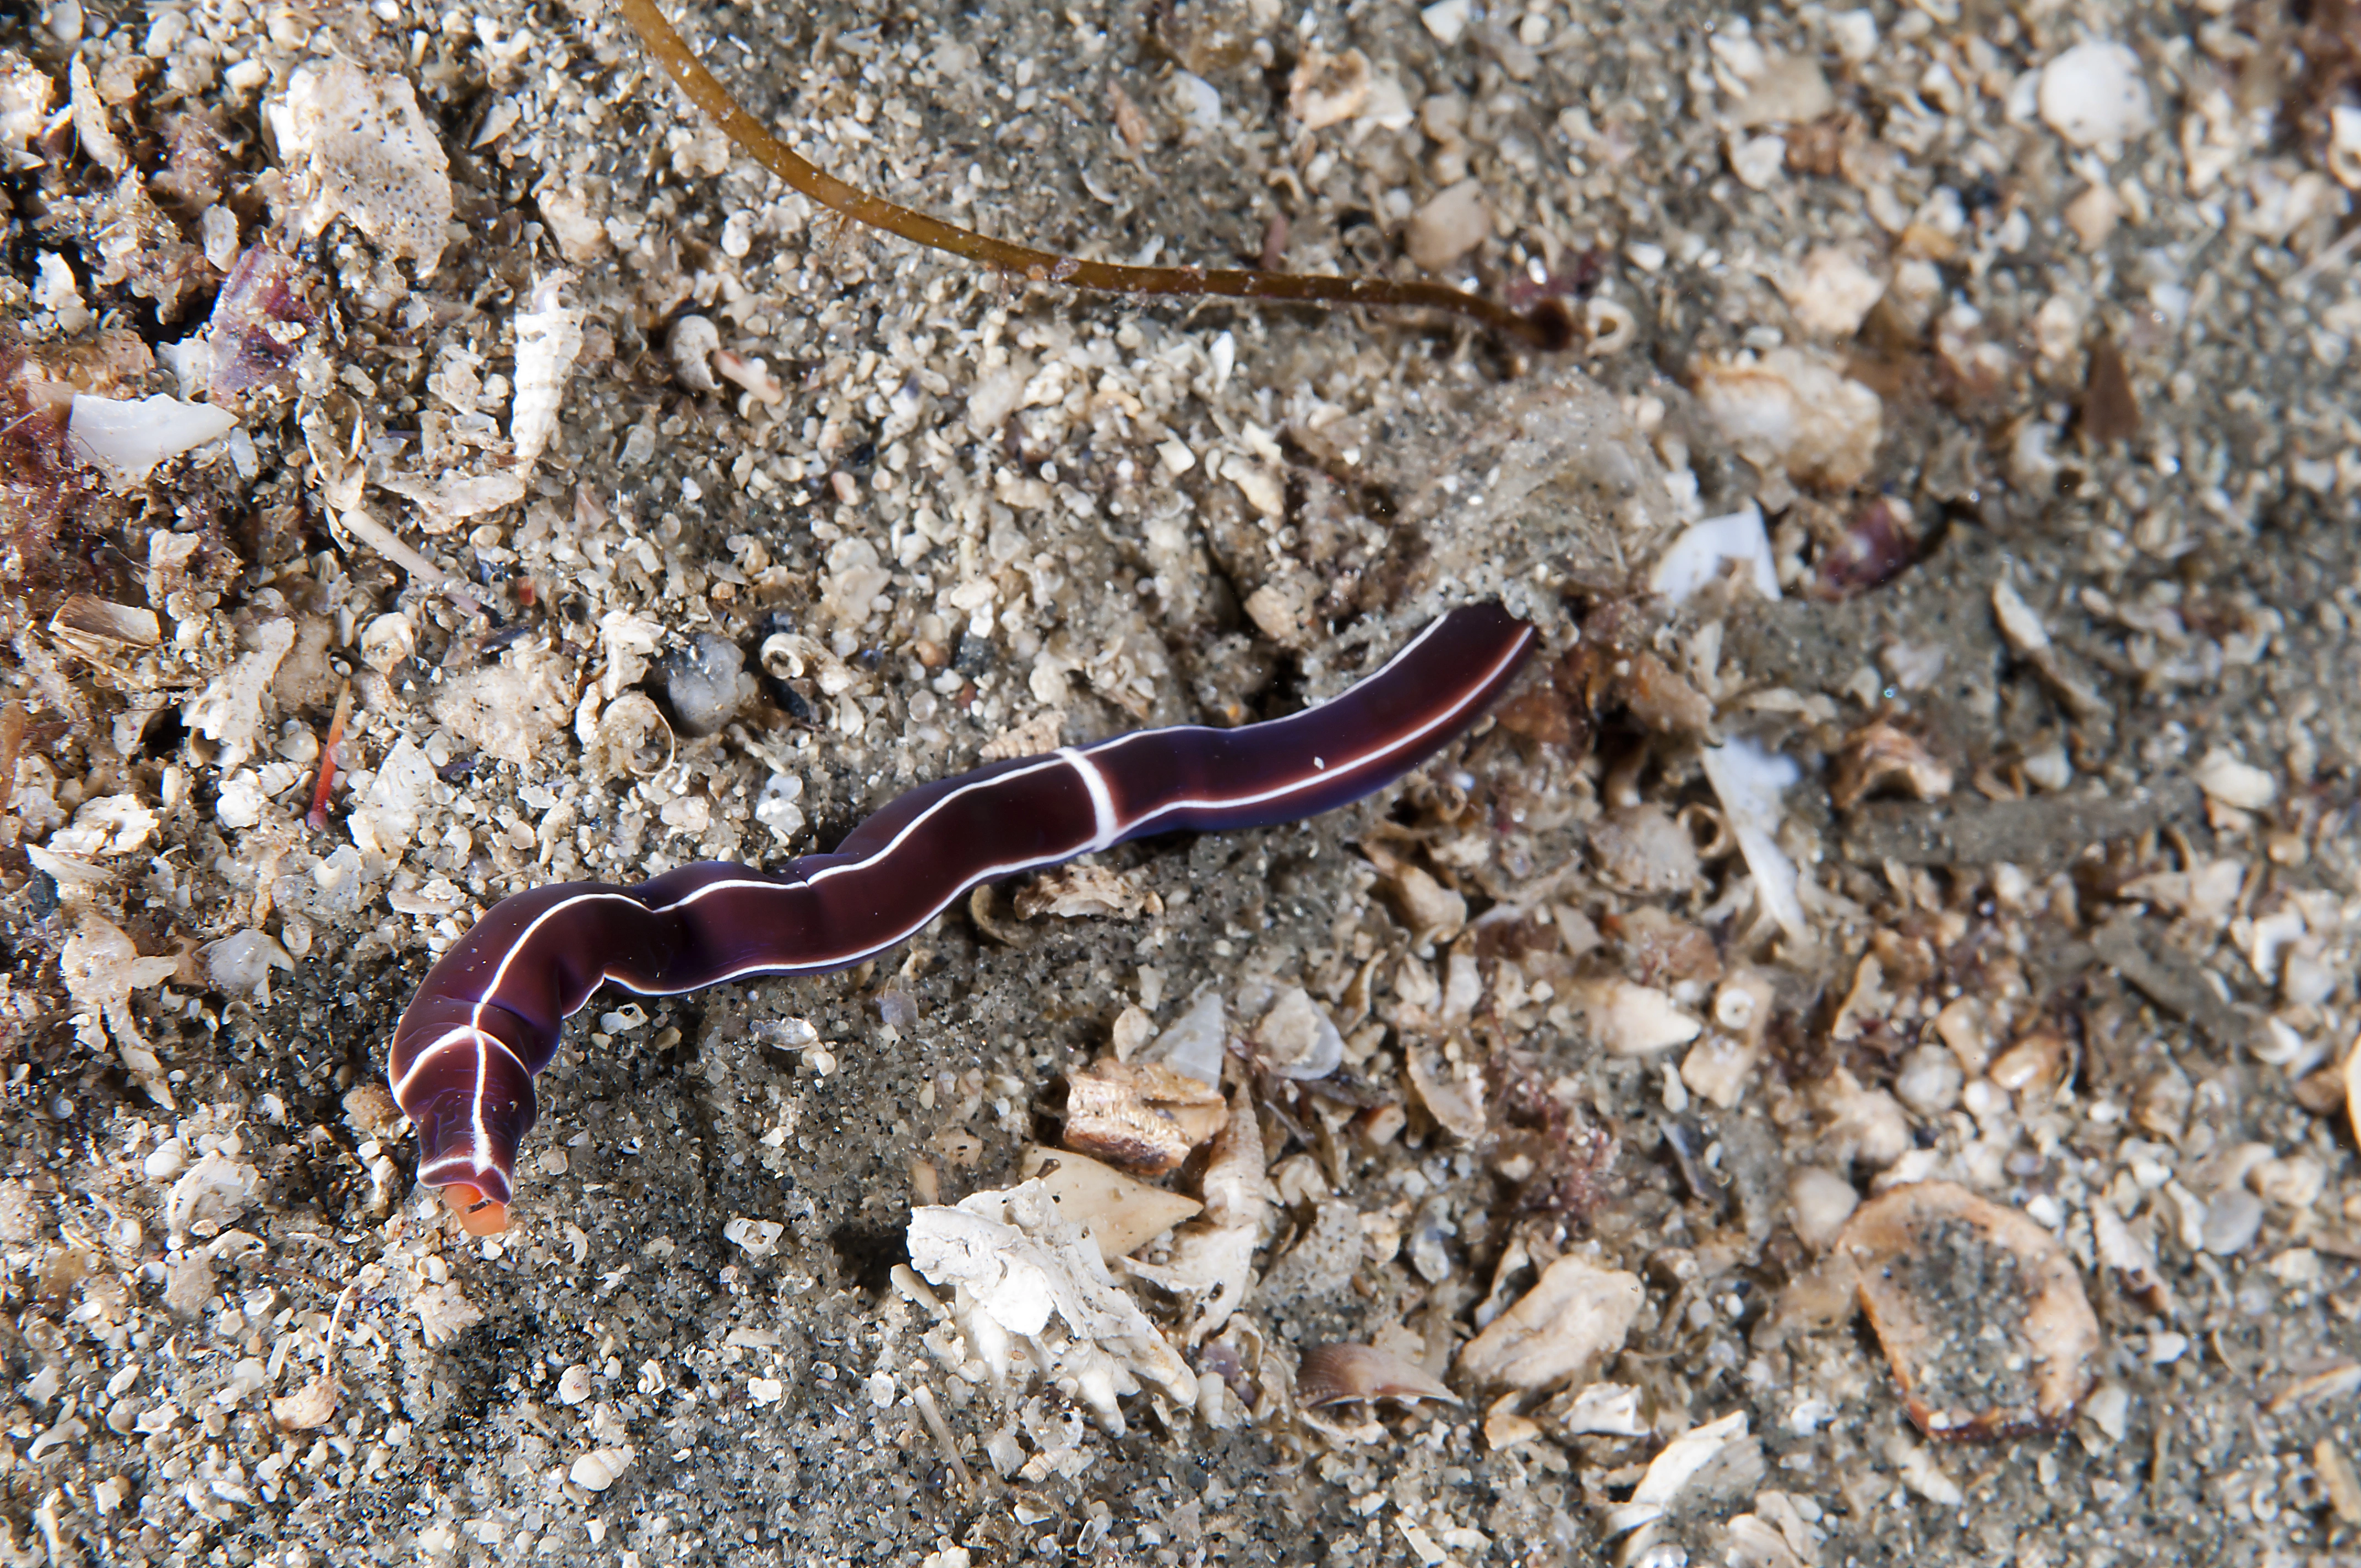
[[487, 1018]]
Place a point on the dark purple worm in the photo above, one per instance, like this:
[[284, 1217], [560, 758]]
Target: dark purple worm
[[488, 1019]]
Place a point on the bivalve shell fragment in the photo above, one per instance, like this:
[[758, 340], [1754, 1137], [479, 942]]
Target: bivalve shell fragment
[[1121, 1214], [1981, 1310]]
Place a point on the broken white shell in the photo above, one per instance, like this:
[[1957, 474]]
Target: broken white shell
[[128, 439], [1298, 1040], [313, 1405], [1573, 1317], [549, 340], [213, 1192], [1120, 1213], [1195, 1042], [1633, 1020]]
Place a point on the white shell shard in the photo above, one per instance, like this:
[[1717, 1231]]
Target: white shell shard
[[1213, 1256], [1450, 1086], [368, 153], [101, 968], [128, 439], [1611, 1410], [755, 1238], [314, 1405], [1797, 410], [452, 499], [1030, 1289], [1747, 779], [1122, 1214], [2235, 783], [1195, 1043], [110, 825], [1819, 1201], [209, 1194], [2020, 624], [1697, 556], [1832, 293], [442, 1313], [1573, 1318], [1682, 1462], [1454, 222], [240, 964], [1633, 1020], [692, 343], [229, 711]]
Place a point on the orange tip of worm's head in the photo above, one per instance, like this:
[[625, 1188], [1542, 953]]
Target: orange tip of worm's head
[[478, 1215]]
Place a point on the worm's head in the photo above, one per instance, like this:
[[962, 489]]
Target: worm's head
[[478, 1215], [470, 1167], [472, 1102], [471, 1170]]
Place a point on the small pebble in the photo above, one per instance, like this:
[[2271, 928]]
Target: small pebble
[[777, 810], [1760, 162], [2093, 94], [2231, 1222], [1454, 223], [1446, 19], [706, 684], [1832, 293], [1929, 1080], [1430, 1236], [1819, 1202]]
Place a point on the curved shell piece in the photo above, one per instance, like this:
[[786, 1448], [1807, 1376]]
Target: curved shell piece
[[1342, 1374], [1981, 1310]]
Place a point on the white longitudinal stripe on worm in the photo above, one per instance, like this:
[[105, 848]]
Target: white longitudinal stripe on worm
[[1374, 754], [1107, 829], [1110, 828], [763, 884]]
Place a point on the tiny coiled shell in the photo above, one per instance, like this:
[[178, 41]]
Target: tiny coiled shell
[[598, 1469], [691, 345], [628, 734], [1710, 831], [1342, 1374], [548, 342]]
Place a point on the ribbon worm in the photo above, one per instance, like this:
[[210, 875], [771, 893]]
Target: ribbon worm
[[487, 1019]]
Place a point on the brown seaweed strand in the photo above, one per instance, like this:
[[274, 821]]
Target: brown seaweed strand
[[1548, 326]]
